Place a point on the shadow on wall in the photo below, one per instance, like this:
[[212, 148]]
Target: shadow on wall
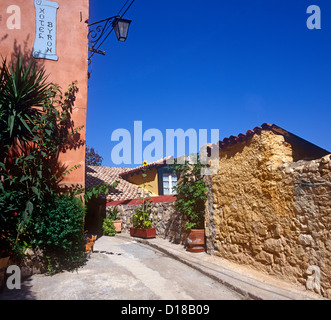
[[67, 127], [25, 51]]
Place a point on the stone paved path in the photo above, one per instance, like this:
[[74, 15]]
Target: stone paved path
[[124, 270]]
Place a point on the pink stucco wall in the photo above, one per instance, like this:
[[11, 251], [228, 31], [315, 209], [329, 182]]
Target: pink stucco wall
[[71, 48]]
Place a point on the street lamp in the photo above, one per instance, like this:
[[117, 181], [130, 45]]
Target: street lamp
[[121, 27], [100, 30]]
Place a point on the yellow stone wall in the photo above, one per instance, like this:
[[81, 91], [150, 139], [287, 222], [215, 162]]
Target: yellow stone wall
[[269, 212]]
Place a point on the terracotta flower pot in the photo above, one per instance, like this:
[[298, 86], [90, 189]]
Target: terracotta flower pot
[[118, 225], [195, 241], [143, 233]]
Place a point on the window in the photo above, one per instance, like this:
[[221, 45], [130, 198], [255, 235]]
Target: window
[[169, 182]]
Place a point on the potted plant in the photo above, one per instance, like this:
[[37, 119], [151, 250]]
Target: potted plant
[[191, 197], [141, 220], [113, 215]]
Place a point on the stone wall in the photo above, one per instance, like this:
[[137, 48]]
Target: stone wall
[[312, 221], [274, 214], [165, 219], [33, 263]]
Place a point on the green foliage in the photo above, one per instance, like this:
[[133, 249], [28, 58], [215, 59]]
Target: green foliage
[[92, 158], [191, 193], [141, 218], [33, 167], [35, 126], [13, 222], [59, 233], [23, 88], [108, 227], [112, 213], [96, 191]]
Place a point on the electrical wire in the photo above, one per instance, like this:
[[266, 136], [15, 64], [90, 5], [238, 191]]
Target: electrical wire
[[128, 7], [123, 7], [119, 14]]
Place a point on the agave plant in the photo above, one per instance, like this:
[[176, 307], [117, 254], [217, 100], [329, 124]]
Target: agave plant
[[35, 126], [23, 89]]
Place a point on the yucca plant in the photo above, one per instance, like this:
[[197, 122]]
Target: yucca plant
[[23, 89], [35, 126]]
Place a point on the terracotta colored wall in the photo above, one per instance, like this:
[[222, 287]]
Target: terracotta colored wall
[[270, 212], [72, 50]]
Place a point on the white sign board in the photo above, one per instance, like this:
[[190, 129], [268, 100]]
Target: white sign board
[[45, 40]]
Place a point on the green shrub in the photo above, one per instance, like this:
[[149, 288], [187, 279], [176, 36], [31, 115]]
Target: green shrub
[[59, 233], [13, 224], [31, 140], [191, 193], [108, 227]]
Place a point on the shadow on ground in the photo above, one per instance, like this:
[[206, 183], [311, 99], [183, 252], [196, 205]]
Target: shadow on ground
[[18, 294]]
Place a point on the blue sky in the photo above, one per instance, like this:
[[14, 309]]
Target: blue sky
[[211, 64]]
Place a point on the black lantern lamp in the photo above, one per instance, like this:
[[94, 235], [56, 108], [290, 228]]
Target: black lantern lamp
[[121, 27], [100, 30]]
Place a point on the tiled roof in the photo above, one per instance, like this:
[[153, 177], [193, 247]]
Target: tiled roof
[[97, 175], [243, 137], [304, 148], [158, 163]]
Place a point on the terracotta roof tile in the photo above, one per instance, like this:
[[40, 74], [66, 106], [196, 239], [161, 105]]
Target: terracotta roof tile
[[97, 175], [311, 150], [243, 137], [158, 163]]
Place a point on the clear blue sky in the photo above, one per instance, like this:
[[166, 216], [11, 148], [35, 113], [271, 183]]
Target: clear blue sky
[[212, 64]]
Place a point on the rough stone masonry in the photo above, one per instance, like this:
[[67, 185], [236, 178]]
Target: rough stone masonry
[[169, 224], [272, 211], [267, 207]]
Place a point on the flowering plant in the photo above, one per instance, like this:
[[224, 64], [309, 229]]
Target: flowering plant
[[142, 217], [12, 241]]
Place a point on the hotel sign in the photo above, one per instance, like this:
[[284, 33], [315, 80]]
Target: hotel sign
[[45, 40]]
